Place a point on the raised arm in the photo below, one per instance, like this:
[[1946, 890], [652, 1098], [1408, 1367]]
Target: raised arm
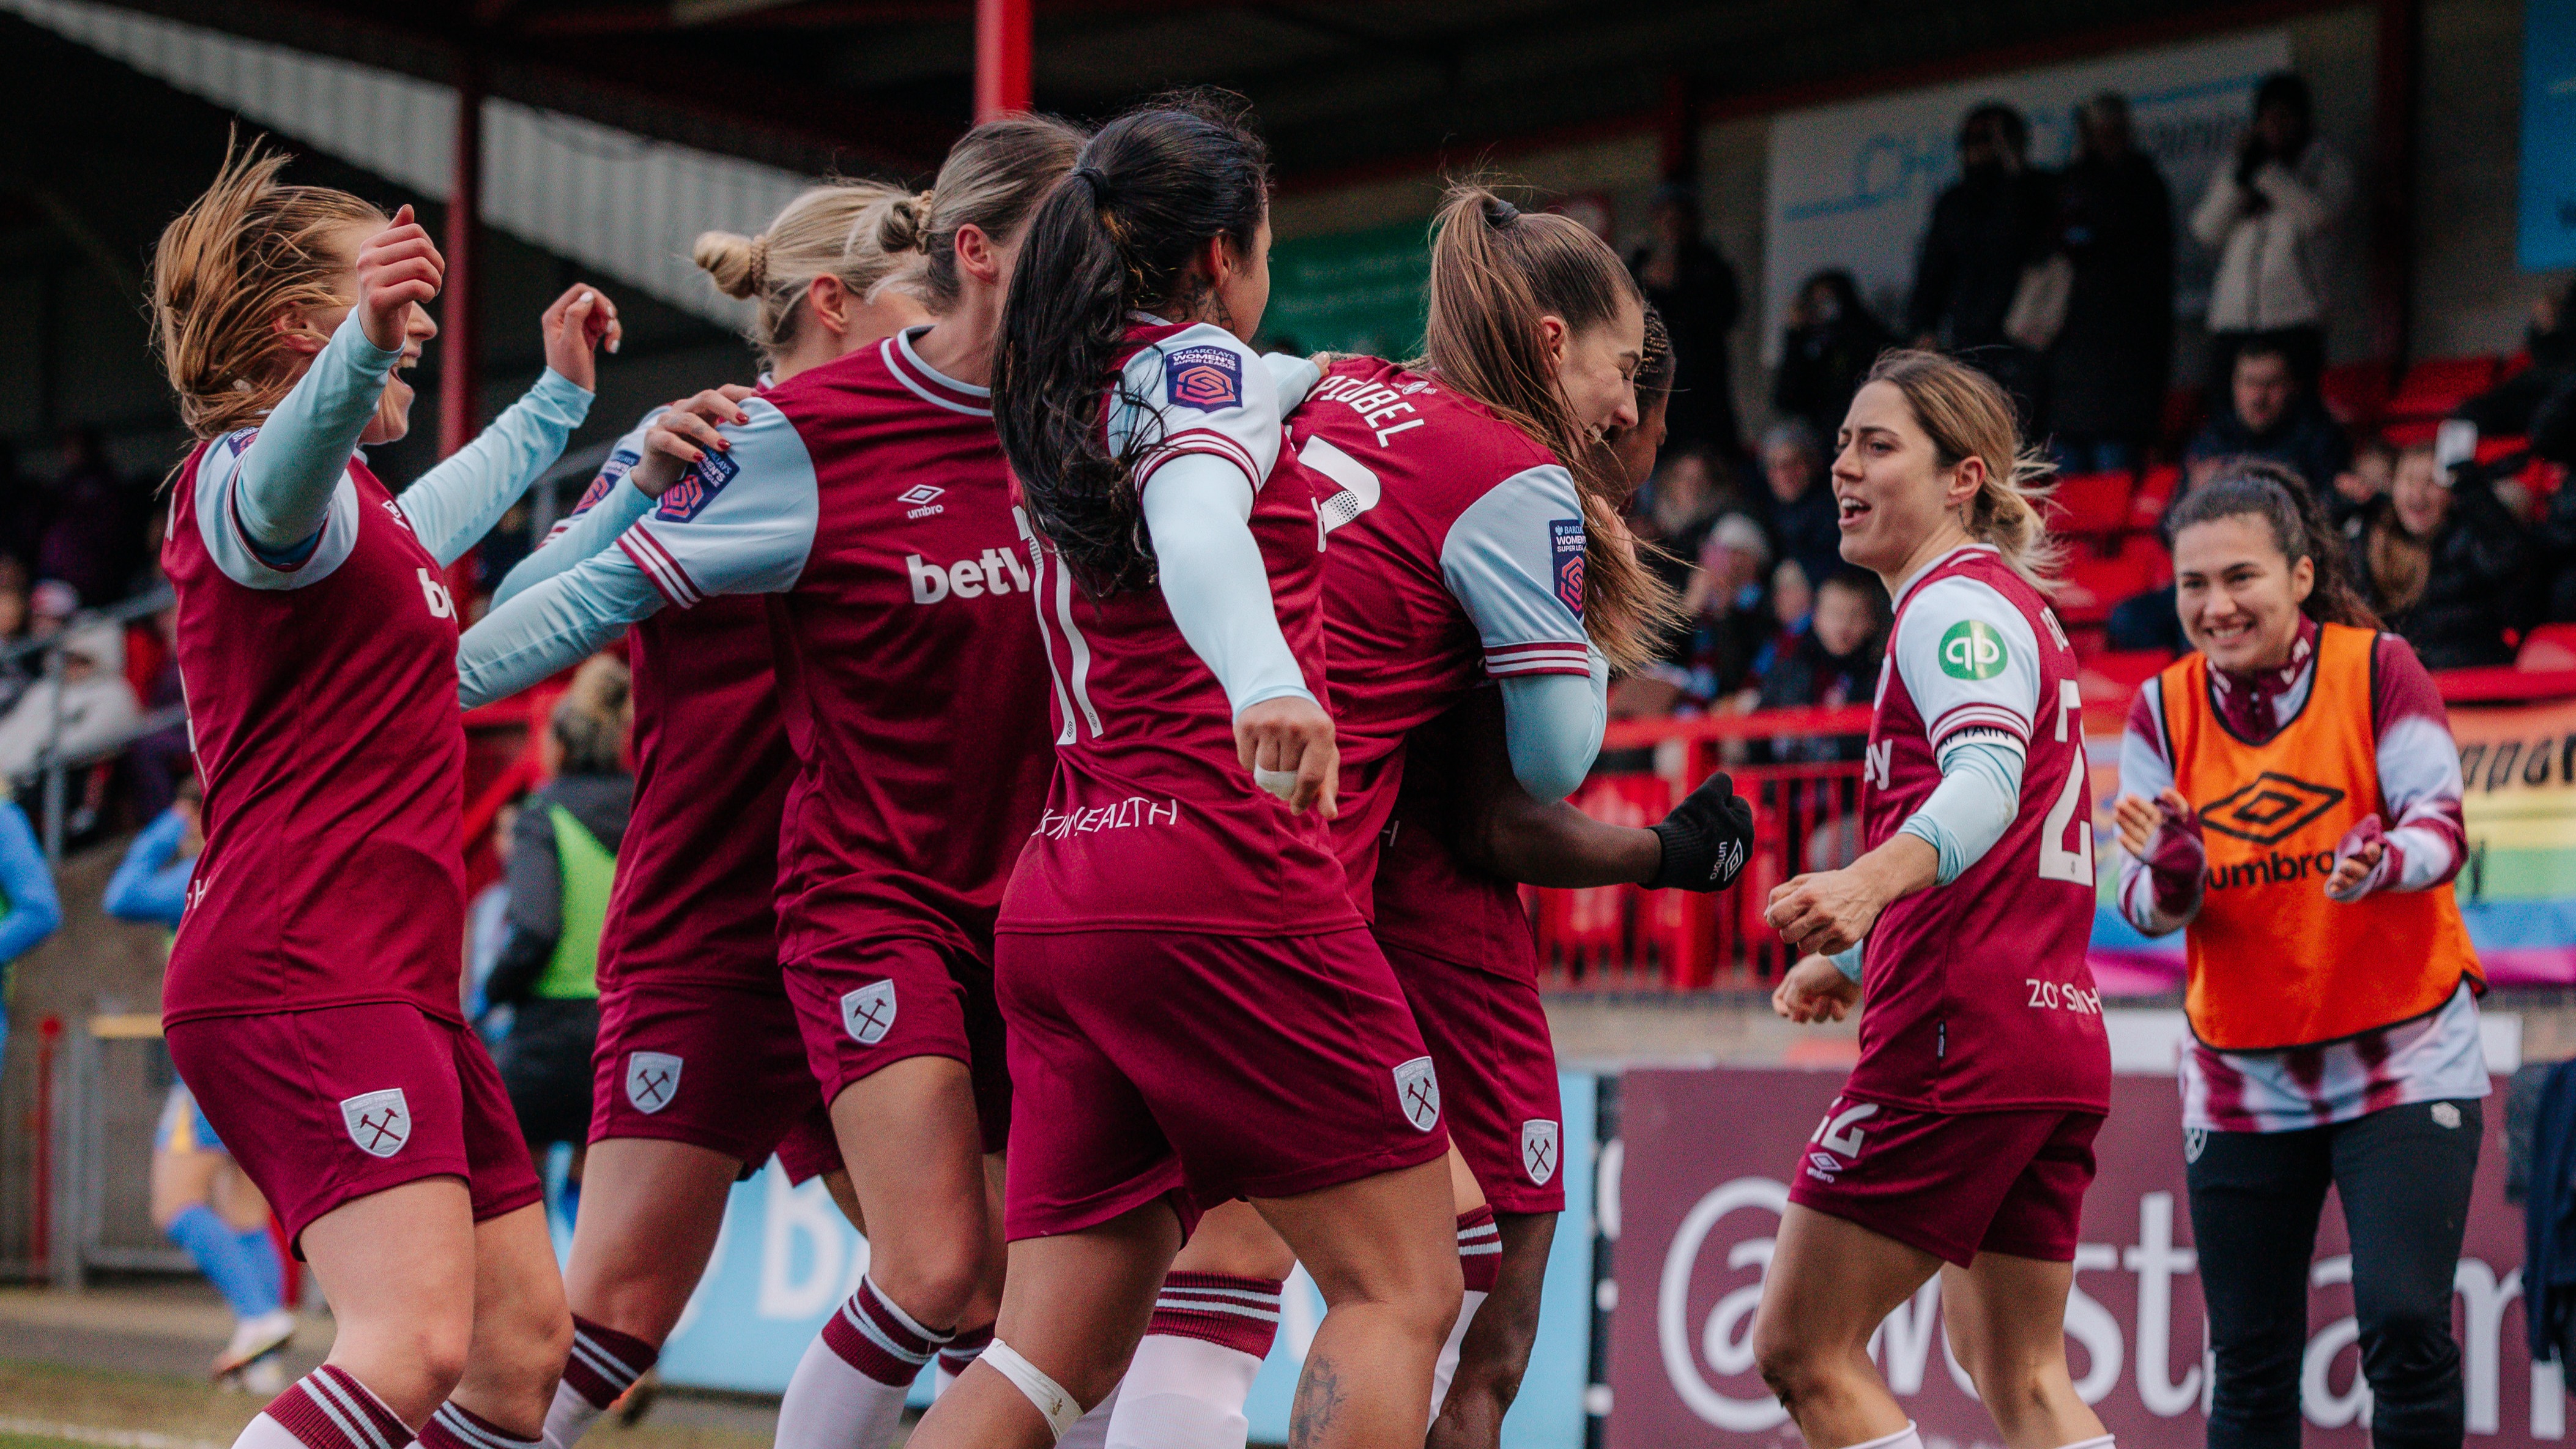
[[456, 503]]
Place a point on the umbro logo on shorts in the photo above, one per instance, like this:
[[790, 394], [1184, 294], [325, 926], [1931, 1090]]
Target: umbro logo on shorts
[[868, 1013], [652, 1080], [379, 1122], [1538, 1150], [1417, 1092]]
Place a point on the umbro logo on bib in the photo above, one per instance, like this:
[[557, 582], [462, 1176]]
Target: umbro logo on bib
[[2270, 810], [652, 1080], [379, 1122], [868, 1013], [1417, 1092]]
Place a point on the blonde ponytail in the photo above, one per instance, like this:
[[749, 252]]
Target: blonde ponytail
[[840, 229]]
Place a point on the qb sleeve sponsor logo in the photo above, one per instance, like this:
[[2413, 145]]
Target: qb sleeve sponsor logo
[[1971, 649]]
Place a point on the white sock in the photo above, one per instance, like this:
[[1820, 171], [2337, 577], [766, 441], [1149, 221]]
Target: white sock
[[568, 1417], [1445, 1368], [326, 1409], [1904, 1438], [2099, 1442], [848, 1389], [1091, 1431], [603, 1364], [1183, 1393]]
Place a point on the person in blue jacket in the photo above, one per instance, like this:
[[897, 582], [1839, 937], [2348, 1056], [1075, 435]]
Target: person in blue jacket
[[29, 910], [199, 1197]]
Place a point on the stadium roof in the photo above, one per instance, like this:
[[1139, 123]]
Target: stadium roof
[[1340, 88]]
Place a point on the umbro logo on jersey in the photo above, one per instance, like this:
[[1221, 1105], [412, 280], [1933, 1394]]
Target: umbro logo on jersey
[[1206, 378], [1565, 546], [2269, 810], [379, 1122], [652, 1080], [924, 500], [697, 488]]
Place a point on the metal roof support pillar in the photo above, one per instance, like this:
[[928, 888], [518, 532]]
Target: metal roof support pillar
[[2392, 202], [459, 372], [1001, 58]]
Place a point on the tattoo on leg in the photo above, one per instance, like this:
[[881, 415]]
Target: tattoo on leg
[[1319, 1398]]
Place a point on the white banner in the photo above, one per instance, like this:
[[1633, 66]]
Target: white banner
[[1852, 185]]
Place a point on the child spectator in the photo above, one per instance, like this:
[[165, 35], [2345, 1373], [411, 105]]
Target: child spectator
[[1834, 662], [89, 709], [2374, 468]]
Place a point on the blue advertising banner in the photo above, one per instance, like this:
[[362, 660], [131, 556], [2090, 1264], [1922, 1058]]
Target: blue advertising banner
[[786, 1259], [2548, 230]]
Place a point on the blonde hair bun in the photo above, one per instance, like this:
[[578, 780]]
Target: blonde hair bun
[[731, 260], [906, 227]]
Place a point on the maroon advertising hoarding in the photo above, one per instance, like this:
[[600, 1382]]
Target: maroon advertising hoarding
[[1704, 1159]]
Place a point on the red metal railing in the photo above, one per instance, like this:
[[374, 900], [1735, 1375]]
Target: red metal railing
[[1805, 818]]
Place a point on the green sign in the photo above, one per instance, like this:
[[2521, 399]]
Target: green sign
[[1972, 650], [1361, 291]]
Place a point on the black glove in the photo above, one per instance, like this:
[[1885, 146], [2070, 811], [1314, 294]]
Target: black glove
[[1707, 839]]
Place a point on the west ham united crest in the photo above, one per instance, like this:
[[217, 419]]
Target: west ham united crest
[[652, 1080], [868, 1013], [379, 1122], [1538, 1150], [1417, 1091]]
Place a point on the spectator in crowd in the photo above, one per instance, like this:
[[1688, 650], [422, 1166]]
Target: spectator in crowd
[[22, 514], [1804, 519], [1987, 226], [2106, 370], [2442, 565], [1831, 340], [1682, 502], [93, 532], [2275, 416], [161, 762], [1693, 286], [2372, 471], [200, 1199], [85, 711], [1834, 662], [2550, 339], [29, 909], [563, 858], [1729, 608], [2269, 215], [16, 618], [50, 606]]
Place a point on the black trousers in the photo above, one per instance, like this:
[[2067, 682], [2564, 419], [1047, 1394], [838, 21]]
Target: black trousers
[[2404, 1175]]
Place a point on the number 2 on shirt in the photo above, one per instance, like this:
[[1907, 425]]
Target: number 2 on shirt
[[2056, 862]]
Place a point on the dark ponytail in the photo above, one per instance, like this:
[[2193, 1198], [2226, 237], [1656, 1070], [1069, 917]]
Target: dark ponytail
[[1115, 237], [2259, 488]]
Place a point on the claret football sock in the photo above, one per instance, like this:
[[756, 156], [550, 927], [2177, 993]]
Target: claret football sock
[[847, 1392], [602, 1366], [1480, 1260], [457, 1427], [964, 1349], [326, 1409], [1192, 1371]]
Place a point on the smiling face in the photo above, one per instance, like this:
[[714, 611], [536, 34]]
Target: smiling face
[[2238, 595], [1899, 504], [1596, 368], [2417, 493]]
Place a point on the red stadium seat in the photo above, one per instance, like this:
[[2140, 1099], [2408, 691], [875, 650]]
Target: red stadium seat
[[2514, 366], [2090, 503], [2356, 393], [2154, 491], [2415, 433], [2093, 585], [2144, 549], [2494, 449], [2435, 387], [2550, 647], [2113, 678]]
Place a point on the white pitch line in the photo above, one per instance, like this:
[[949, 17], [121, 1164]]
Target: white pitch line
[[111, 1438]]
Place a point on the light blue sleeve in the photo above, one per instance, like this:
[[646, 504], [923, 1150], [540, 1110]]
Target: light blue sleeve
[[150, 884], [740, 521], [1979, 794], [35, 912], [1198, 513], [1848, 959], [1552, 727], [552, 625], [456, 503], [605, 510], [283, 489], [1296, 376], [1514, 561]]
